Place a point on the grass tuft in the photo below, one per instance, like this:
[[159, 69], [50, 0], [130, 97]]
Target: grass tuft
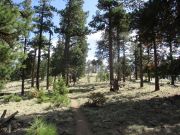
[[12, 98], [40, 127]]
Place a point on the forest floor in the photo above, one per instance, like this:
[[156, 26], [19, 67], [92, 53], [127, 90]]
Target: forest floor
[[130, 111]]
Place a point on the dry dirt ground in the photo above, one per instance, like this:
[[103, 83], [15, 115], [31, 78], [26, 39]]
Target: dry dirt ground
[[29, 109], [130, 111], [82, 127]]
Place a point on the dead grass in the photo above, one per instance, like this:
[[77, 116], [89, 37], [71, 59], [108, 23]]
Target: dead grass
[[62, 117], [132, 110]]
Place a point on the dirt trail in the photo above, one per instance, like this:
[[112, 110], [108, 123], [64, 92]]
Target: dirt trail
[[81, 124]]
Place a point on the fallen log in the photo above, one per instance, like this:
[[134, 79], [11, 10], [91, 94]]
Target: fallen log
[[6, 122], [3, 115]]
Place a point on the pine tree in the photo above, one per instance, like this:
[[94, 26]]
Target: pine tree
[[103, 20], [121, 25], [43, 13], [72, 26], [26, 14], [9, 34]]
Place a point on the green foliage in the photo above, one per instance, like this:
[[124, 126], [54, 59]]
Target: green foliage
[[72, 26], [59, 97], [10, 60], [12, 98], [51, 80], [60, 87], [40, 127], [96, 99], [43, 69], [9, 18], [60, 100], [42, 97], [32, 94], [57, 59], [73, 19], [10, 30], [78, 57], [1, 84], [102, 75]]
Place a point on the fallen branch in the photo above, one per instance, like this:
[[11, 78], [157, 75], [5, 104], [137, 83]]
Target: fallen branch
[[3, 115], [5, 122]]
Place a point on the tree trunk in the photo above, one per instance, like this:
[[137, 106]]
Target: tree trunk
[[33, 69], [118, 55], [136, 63], [124, 62], [156, 67], [66, 60], [66, 49], [111, 54], [148, 71], [48, 62], [141, 65], [171, 58], [23, 69], [38, 67], [39, 47]]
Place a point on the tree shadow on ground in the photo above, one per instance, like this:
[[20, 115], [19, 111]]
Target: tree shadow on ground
[[91, 84], [84, 88], [177, 83], [62, 119], [157, 116], [80, 90], [127, 97]]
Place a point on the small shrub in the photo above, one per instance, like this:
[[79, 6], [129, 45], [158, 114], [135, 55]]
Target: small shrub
[[42, 97], [60, 87], [16, 98], [32, 94], [7, 98], [60, 100], [102, 76], [168, 82], [1, 84], [12, 98], [96, 99], [40, 127]]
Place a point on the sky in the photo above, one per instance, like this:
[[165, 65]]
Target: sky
[[90, 7]]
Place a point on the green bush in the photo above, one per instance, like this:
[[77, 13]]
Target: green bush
[[42, 97], [59, 96], [60, 100], [96, 99], [12, 98], [40, 127], [32, 94], [102, 76], [1, 84], [60, 87]]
